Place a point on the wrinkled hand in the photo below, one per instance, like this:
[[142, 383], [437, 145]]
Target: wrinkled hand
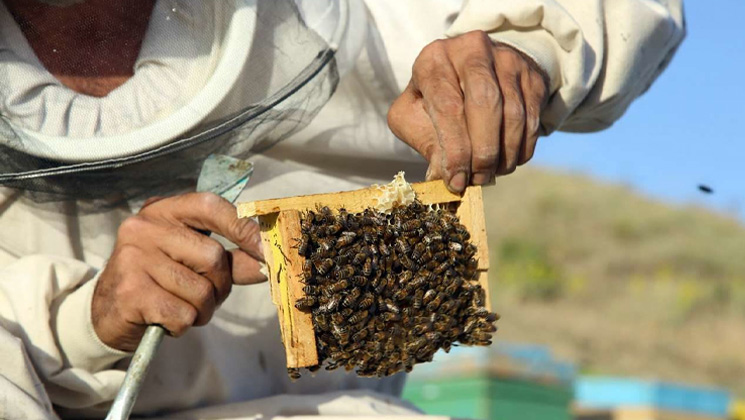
[[471, 109], [163, 271]]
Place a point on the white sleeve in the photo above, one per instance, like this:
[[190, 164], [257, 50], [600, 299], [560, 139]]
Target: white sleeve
[[600, 55], [47, 334]]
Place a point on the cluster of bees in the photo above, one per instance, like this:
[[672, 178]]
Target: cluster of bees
[[387, 290]]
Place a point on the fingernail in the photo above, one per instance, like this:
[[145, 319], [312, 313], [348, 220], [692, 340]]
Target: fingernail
[[458, 182], [428, 175], [481, 178]]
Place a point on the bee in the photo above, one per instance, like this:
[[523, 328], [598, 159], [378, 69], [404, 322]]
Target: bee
[[337, 318], [343, 272], [470, 325], [435, 303], [432, 238], [416, 301], [407, 263], [448, 306], [480, 312], [411, 225], [428, 296], [359, 258], [360, 335], [367, 267], [336, 287], [418, 282], [379, 336], [346, 312], [358, 316], [414, 345], [392, 307], [442, 267], [360, 281], [341, 260], [325, 245], [310, 289], [432, 336], [481, 338], [455, 246], [479, 298], [334, 227], [400, 295], [390, 316], [323, 266], [346, 239], [351, 298], [306, 302], [379, 284], [307, 270], [440, 256], [342, 334], [453, 286], [384, 250], [314, 368], [331, 305], [402, 246], [302, 244], [293, 373], [418, 251]]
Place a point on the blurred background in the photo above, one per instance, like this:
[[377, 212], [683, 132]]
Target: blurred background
[[618, 259]]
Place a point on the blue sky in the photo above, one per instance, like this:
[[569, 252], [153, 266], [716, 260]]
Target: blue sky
[[688, 129]]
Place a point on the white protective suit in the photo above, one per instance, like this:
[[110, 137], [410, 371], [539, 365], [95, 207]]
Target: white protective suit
[[600, 55]]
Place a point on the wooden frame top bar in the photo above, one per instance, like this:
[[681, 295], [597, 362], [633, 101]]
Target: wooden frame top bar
[[432, 192]]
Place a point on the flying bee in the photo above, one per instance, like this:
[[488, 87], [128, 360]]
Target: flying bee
[[346, 239], [358, 316], [323, 266], [367, 300], [343, 272], [435, 303]]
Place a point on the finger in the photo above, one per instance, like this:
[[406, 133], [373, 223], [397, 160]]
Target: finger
[[159, 307], [438, 82], [513, 125], [245, 269], [198, 252], [483, 103], [534, 90], [185, 284], [208, 211]]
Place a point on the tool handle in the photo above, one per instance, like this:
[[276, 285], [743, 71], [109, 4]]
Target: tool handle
[[125, 399]]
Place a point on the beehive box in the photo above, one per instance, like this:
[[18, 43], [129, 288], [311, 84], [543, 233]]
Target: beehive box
[[280, 229]]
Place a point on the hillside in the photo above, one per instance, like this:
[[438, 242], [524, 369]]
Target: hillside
[[617, 282]]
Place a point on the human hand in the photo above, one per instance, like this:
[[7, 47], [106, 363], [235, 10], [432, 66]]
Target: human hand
[[163, 271], [472, 109]]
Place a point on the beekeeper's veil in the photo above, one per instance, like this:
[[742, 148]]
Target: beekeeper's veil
[[231, 77]]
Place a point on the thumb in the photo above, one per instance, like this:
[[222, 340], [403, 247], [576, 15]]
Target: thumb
[[409, 121]]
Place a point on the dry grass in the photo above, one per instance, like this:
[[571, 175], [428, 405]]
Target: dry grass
[[617, 282]]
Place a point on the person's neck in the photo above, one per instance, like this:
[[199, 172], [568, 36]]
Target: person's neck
[[90, 47]]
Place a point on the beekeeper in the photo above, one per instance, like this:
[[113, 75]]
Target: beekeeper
[[107, 107]]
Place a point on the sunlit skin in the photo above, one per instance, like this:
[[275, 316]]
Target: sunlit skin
[[471, 109]]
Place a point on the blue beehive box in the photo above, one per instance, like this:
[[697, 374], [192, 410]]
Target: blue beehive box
[[612, 393]]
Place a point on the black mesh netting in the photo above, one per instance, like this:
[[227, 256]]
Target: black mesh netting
[[291, 67]]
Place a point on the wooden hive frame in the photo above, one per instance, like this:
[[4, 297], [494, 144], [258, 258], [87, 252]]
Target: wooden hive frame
[[279, 220]]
